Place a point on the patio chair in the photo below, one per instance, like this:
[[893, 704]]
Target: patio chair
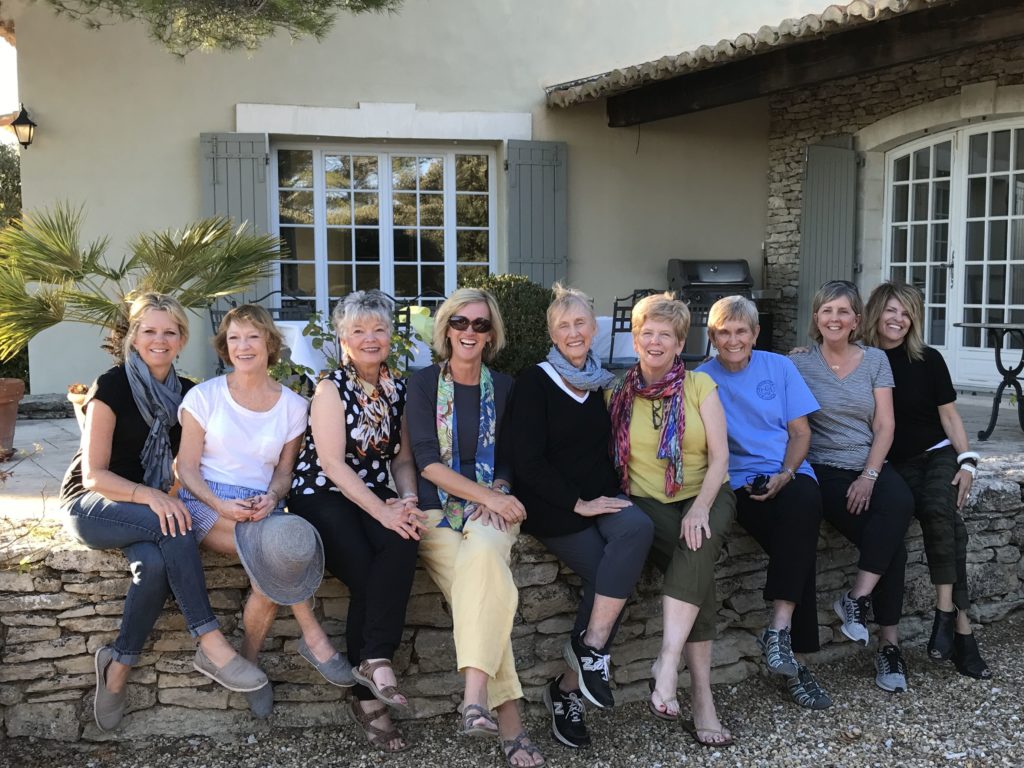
[[622, 322]]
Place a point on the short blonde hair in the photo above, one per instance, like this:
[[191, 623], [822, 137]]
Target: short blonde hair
[[829, 292], [451, 306], [160, 302], [565, 299], [664, 307], [912, 301], [259, 318], [730, 308]]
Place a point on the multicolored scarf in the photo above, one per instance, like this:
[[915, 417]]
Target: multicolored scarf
[[456, 509], [372, 430], [670, 447]]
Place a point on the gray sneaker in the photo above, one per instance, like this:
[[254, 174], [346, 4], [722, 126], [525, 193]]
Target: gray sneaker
[[261, 701], [854, 615], [806, 691], [237, 675], [890, 670], [777, 651], [108, 708], [336, 670]]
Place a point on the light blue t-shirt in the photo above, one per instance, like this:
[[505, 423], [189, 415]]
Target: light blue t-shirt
[[759, 403]]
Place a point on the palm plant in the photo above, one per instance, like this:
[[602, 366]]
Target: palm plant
[[47, 276]]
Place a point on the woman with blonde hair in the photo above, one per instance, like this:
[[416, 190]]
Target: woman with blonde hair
[[931, 452], [670, 448], [457, 422], [115, 494]]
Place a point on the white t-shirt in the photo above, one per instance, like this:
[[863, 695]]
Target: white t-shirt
[[242, 447]]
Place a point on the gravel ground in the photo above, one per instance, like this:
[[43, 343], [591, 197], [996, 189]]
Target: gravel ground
[[944, 720]]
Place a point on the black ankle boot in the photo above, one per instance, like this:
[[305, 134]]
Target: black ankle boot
[[967, 659], [940, 644]]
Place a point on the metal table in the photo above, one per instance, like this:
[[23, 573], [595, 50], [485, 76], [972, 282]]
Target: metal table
[[999, 331]]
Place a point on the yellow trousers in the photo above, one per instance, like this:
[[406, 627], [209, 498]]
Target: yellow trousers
[[471, 568]]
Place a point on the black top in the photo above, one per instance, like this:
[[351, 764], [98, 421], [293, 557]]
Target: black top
[[130, 432], [372, 464], [421, 415], [921, 387], [560, 453]]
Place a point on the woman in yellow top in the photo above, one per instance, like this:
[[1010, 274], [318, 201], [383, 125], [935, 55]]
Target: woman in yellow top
[[671, 451]]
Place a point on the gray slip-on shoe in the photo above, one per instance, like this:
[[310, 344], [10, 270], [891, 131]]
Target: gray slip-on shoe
[[336, 670], [108, 708], [237, 675], [261, 701]]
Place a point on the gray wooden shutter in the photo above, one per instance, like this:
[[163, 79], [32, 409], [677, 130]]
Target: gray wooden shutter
[[827, 222], [234, 177], [538, 229]]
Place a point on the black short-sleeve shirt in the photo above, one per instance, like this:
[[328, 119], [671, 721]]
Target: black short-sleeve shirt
[[921, 387]]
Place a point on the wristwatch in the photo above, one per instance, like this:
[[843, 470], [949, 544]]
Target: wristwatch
[[871, 474]]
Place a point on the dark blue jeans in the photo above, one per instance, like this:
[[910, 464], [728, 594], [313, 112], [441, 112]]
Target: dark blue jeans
[[159, 564]]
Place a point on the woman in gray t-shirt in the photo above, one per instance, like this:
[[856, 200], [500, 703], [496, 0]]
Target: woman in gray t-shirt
[[862, 497]]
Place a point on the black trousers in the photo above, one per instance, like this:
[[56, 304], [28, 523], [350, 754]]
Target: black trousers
[[878, 532], [786, 527], [376, 564]]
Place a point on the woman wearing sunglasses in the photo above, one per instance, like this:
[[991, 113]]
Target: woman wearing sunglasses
[[862, 496], [456, 412]]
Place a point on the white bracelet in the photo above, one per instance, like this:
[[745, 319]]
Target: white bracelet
[[967, 456], [969, 468]]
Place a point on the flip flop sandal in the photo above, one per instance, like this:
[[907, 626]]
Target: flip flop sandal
[[378, 737], [387, 694], [519, 744], [694, 731], [666, 715], [470, 714]]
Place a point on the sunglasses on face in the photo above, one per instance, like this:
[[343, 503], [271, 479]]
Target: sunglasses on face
[[461, 323]]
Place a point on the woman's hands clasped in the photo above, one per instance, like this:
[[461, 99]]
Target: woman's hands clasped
[[403, 516]]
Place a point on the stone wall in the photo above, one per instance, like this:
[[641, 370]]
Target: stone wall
[[60, 602], [809, 115]]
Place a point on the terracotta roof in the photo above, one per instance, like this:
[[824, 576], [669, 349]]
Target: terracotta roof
[[835, 18]]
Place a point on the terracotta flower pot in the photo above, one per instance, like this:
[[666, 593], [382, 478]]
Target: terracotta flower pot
[[11, 392]]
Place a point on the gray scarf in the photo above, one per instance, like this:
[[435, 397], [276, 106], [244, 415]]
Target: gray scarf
[[158, 403], [589, 378]]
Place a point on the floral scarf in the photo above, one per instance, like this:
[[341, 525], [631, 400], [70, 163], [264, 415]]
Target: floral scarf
[[456, 509], [670, 447], [372, 430]]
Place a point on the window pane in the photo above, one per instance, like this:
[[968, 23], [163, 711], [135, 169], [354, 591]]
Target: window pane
[[404, 210], [339, 245], [1017, 240], [431, 173], [921, 163], [471, 273], [339, 212], [937, 294], [432, 278], [996, 284], [1017, 199], [972, 336], [339, 279], [898, 274], [367, 247], [920, 206], [367, 276], [471, 173], [294, 168], [996, 240], [1017, 284], [976, 197], [917, 277], [431, 211], [975, 241], [405, 245], [943, 159], [336, 171], [364, 172], [900, 202], [940, 200], [299, 242], [901, 168], [471, 210], [973, 284], [936, 327], [295, 207], [919, 242], [1018, 155], [407, 281], [999, 201], [367, 211], [298, 279], [431, 245], [403, 172], [1001, 151], [978, 153], [940, 242], [472, 245]]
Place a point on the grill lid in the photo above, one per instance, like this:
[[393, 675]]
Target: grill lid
[[684, 273]]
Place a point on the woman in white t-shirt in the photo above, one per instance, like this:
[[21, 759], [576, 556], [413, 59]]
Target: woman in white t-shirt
[[240, 436]]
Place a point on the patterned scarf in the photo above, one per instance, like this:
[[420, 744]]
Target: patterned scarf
[[158, 403], [670, 446], [456, 509], [372, 430], [589, 378]]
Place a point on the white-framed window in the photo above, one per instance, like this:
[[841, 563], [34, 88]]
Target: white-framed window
[[412, 221]]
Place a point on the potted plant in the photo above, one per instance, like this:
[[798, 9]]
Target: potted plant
[[11, 392]]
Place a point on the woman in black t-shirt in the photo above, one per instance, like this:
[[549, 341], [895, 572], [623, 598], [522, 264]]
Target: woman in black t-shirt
[[115, 493], [931, 452]]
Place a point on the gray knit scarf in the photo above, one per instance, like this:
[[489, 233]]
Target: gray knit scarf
[[589, 378], [158, 403]]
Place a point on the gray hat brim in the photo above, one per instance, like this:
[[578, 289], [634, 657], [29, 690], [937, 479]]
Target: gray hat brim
[[251, 547]]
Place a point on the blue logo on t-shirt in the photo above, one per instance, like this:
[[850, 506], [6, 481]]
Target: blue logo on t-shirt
[[766, 389]]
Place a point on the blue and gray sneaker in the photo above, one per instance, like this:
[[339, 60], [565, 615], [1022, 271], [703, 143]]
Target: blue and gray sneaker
[[853, 612], [777, 650], [806, 691], [891, 671]]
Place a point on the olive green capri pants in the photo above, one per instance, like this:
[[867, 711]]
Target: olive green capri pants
[[690, 574]]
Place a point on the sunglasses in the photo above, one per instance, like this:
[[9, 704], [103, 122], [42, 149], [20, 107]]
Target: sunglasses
[[461, 323]]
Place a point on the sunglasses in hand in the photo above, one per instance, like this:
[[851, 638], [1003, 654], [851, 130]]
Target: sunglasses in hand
[[461, 323]]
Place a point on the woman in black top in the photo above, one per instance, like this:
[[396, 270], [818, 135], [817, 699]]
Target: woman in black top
[[565, 478], [115, 493], [931, 452]]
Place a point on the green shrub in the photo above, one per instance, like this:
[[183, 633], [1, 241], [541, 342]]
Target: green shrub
[[523, 305], [16, 367]]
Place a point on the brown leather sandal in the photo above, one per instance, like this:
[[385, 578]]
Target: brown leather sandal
[[376, 735], [471, 713], [520, 743], [386, 695]]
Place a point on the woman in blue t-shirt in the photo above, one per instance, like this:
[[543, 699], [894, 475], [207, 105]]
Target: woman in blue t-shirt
[[777, 498], [931, 452]]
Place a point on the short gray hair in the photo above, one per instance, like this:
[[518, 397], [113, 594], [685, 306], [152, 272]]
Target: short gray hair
[[566, 298], [730, 308], [360, 305]]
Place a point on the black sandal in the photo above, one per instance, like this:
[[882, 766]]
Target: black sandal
[[376, 735], [520, 744]]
